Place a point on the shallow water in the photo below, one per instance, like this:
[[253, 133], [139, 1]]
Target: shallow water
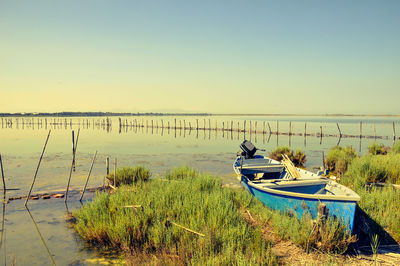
[[160, 150]]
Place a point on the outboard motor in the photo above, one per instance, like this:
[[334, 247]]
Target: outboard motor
[[248, 149]]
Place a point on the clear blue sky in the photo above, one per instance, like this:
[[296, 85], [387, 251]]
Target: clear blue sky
[[208, 56]]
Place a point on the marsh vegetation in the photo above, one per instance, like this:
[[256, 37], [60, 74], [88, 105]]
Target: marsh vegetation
[[148, 217]]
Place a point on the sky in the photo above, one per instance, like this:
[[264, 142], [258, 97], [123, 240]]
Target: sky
[[269, 57]]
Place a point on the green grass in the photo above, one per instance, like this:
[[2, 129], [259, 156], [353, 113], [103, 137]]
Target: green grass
[[382, 204], [339, 158], [396, 148], [373, 168], [297, 157], [195, 201], [129, 175]]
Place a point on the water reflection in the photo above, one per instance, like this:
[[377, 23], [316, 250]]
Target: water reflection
[[41, 237], [2, 237]]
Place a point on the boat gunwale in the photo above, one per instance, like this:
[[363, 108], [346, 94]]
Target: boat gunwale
[[352, 198]]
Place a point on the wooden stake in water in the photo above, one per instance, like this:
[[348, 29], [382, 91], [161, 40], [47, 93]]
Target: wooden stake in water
[[340, 132], [2, 175], [107, 169], [305, 129], [277, 127], [87, 180], [73, 161], [320, 135], [41, 237], [115, 172], [394, 131], [37, 168], [360, 129], [73, 149]]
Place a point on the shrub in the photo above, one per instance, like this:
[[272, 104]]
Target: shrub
[[129, 175], [298, 158], [338, 159], [376, 149]]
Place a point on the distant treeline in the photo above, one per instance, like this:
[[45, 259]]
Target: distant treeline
[[81, 114], [77, 114]]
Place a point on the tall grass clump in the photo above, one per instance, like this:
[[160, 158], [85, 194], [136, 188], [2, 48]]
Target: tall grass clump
[[297, 157], [383, 206], [396, 148], [143, 218], [377, 149], [183, 172], [129, 175], [338, 159], [381, 203], [373, 169]]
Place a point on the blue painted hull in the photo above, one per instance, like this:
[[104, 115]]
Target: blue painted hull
[[343, 210]]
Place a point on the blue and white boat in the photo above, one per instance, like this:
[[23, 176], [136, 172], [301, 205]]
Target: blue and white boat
[[283, 187]]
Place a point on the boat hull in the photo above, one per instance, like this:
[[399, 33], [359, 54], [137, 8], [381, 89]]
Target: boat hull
[[343, 210]]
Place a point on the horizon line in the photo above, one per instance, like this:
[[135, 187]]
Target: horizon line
[[102, 113]]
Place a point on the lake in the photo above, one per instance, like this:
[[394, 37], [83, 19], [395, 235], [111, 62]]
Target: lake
[[30, 237]]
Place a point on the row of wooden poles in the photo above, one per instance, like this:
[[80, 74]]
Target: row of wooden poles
[[31, 122], [245, 127], [228, 126], [72, 168], [74, 148]]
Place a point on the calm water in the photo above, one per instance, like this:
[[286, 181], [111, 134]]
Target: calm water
[[160, 150]]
